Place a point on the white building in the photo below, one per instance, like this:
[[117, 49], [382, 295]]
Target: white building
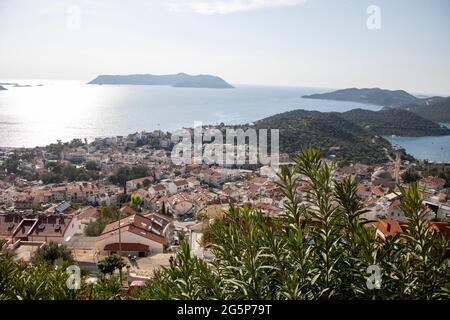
[[138, 183], [158, 189], [177, 186]]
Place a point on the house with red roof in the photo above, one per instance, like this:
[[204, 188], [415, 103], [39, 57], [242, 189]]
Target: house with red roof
[[178, 185], [138, 183], [158, 190], [82, 218], [386, 228], [434, 183], [136, 235]]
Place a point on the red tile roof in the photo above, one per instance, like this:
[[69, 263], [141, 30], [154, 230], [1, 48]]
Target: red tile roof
[[388, 227], [442, 227], [127, 210], [137, 224], [180, 182], [87, 213], [159, 187], [435, 181], [127, 247], [395, 203]]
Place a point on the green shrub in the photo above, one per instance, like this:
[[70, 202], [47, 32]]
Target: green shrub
[[322, 251]]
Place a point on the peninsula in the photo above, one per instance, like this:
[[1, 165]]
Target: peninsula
[[377, 96]]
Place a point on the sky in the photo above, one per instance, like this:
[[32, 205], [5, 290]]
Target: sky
[[393, 44]]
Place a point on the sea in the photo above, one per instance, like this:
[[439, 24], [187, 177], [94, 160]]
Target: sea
[[63, 110], [434, 149], [40, 112]]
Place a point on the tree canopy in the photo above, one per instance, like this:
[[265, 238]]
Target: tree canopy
[[52, 252]]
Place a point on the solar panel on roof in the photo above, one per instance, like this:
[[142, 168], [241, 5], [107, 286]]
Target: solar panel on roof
[[158, 221], [62, 207], [155, 231]]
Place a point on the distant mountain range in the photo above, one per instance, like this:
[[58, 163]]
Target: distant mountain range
[[382, 97], [389, 121], [433, 108], [175, 80]]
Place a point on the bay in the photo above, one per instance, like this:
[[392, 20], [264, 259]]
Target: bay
[[435, 149]]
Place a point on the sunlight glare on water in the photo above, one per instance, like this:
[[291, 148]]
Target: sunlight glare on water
[[63, 110]]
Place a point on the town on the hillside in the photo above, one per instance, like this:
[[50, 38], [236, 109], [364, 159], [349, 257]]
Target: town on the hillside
[[124, 195]]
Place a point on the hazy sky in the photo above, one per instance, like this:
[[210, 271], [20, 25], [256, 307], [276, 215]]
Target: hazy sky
[[312, 43]]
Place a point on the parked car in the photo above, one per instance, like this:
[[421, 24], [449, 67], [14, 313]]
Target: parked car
[[186, 218]]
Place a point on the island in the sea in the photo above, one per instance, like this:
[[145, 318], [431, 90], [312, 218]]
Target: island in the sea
[[181, 80], [15, 85]]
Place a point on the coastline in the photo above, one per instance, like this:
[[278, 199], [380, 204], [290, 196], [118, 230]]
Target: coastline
[[409, 143]]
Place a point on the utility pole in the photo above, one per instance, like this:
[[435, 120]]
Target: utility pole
[[120, 236], [120, 248], [397, 168]]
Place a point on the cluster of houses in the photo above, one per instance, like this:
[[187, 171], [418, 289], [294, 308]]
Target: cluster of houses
[[29, 196], [140, 234], [172, 196]]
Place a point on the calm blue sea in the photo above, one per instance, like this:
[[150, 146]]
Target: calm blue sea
[[436, 149], [39, 115]]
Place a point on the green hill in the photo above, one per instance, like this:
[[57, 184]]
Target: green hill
[[329, 132], [435, 109], [377, 96], [395, 122]]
